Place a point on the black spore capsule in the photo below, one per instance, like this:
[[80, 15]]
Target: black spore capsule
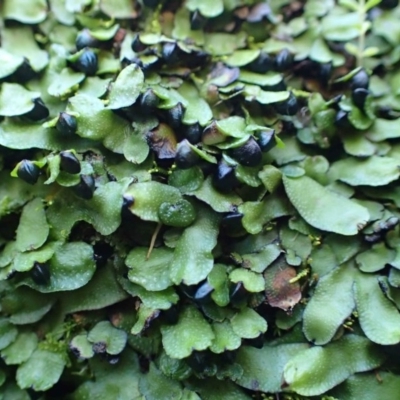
[[185, 156], [283, 60], [203, 293], [69, 162], [249, 154], [174, 116], [86, 187], [148, 101], [87, 62], [266, 140], [237, 293], [192, 132], [360, 80], [39, 111], [66, 124], [290, 106], [137, 45], [388, 4], [263, 63], [232, 222], [28, 171], [24, 72], [85, 39], [171, 52], [359, 96], [342, 120], [197, 21], [224, 178], [151, 3], [40, 274]]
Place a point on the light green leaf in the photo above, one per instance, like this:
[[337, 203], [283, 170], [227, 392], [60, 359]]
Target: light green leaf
[[320, 51], [102, 291], [148, 197], [186, 180], [271, 177], [378, 316], [81, 345], [25, 305], [150, 273], [331, 303], [8, 333], [197, 109], [375, 258], [220, 44], [318, 369], [94, 121], [13, 392], [41, 371], [33, 12], [20, 40], [155, 385], [103, 211], [270, 358], [65, 82], [9, 63], [71, 267], [324, 209], [258, 213], [267, 79], [253, 92], [232, 126], [208, 8], [252, 281], [193, 259], [126, 88], [33, 229], [361, 119], [300, 244], [341, 27], [218, 279], [21, 349], [357, 144], [16, 100], [120, 381], [216, 389], [217, 201], [105, 333], [144, 316], [161, 300], [94, 86], [248, 324], [118, 9], [383, 129], [322, 260], [367, 387], [192, 332], [374, 171], [261, 259], [225, 338], [242, 57], [182, 29], [21, 134]]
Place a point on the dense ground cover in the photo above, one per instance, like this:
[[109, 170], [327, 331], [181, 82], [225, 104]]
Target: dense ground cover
[[199, 199]]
